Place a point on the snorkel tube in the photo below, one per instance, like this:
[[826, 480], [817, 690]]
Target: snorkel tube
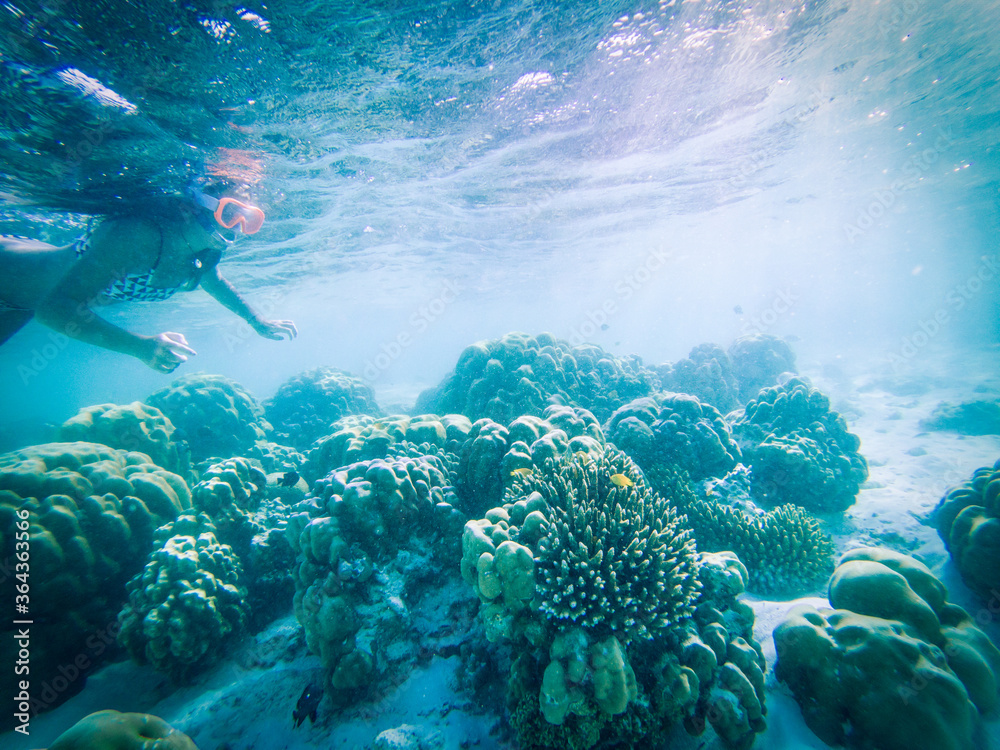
[[230, 213]]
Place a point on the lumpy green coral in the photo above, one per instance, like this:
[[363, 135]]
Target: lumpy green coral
[[758, 359], [112, 730], [799, 450], [892, 647], [620, 627], [968, 521], [707, 373], [132, 427], [519, 374], [494, 456], [186, 601], [91, 513], [250, 517], [362, 438], [218, 416], [307, 404], [674, 430], [377, 513]]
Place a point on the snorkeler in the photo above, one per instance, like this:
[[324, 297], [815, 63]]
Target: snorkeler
[[162, 246]]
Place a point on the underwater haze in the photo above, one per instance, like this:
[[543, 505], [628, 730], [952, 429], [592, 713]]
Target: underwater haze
[[644, 177], [830, 168]]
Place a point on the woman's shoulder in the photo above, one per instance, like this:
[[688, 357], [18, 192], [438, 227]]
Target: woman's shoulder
[[126, 236]]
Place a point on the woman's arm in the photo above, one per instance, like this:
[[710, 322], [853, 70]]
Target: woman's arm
[[213, 283], [117, 248]]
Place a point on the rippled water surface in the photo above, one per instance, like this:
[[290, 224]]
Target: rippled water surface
[[646, 176]]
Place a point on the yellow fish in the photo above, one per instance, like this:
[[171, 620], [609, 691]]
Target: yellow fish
[[620, 480], [522, 472]]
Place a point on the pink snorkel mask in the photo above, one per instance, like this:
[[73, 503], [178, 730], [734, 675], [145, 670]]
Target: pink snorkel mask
[[230, 213]]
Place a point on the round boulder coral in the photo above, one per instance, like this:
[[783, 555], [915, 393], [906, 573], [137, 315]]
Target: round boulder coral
[[707, 374], [186, 601], [674, 430], [892, 647], [520, 374], [134, 427], [111, 730], [90, 513], [216, 416], [968, 521], [758, 359], [307, 404], [799, 450]]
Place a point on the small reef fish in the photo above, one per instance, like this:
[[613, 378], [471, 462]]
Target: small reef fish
[[738, 309], [620, 480], [307, 704], [522, 472], [289, 479]]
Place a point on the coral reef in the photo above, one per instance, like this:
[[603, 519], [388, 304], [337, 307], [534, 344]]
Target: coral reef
[[968, 521], [799, 450], [307, 404], [519, 374], [90, 512], [364, 538], [111, 730], [133, 427], [892, 647], [251, 519], [362, 438], [494, 456], [969, 418], [216, 416], [619, 627], [707, 374], [784, 550], [186, 600], [758, 359], [674, 430]]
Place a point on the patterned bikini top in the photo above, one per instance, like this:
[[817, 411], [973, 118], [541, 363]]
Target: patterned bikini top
[[132, 287]]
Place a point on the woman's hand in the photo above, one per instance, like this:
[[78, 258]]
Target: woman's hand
[[276, 329], [168, 351]]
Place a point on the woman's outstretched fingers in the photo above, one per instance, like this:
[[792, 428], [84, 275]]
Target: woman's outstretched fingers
[[169, 351]]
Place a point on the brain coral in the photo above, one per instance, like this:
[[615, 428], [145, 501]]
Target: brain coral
[[217, 416], [520, 375], [134, 427], [758, 359], [186, 601], [91, 512], [968, 521], [799, 450], [307, 404], [893, 648], [674, 430]]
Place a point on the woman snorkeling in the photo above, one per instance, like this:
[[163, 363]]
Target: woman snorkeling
[[159, 247]]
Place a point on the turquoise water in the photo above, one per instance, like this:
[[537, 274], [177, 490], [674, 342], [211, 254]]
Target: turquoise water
[[537, 156], [643, 176]]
